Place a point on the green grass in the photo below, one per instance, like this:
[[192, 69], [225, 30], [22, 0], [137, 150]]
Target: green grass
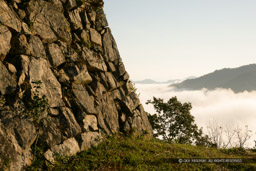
[[127, 153]]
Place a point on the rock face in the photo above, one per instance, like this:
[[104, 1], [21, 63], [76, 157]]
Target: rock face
[[63, 84]]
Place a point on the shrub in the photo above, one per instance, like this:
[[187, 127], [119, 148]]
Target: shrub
[[174, 123]]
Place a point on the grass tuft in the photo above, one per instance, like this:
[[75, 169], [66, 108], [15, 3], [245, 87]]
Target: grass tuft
[[127, 153]]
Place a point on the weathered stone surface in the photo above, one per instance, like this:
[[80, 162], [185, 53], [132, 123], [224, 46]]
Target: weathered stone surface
[[25, 133], [145, 121], [75, 19], [16, 137], [22, 14], [22, 46], [84, 99], [69, 124], [111, 80], [110, 113], [36, 47], [15, 5], [103, 125], [5, 39], [8, 17], [71, 4], [78, 75], [137, 122], [95, 36], [126, 76], [54, 112], [92, 16], [7, 83], [57, 4], [85, 36], [68, 148], [38, 69], [11, 68], [63, 78], [127, 127], [85, 20], [107, 110], [56, 56], [90, 122], [17, 1], [25, 28], [82, 76], [90, 139], [120, 67], [52, 133], [48, 22], [111, 67], [101, 22], [94, 63], [110, 47], [75, 38], [49, 156]]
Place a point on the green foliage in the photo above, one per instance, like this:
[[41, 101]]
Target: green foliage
[[174, 123], [37, 104], [2, 100], [88, 44], [39, 160], [127, 153], [35, 107], [5, 164], [234, 150], [133, 89]]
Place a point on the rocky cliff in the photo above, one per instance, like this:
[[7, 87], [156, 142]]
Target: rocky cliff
[[63, 84]]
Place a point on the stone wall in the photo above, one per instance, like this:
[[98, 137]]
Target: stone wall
[[63, 84]]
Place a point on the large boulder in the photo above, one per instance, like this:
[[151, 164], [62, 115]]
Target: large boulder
[[5, 39], [56, 56], [95, 62], [16, 137], [39, 74], [36, 47], [110, 47], [83, 99], [47, 22], [8, 17], [7, 83]]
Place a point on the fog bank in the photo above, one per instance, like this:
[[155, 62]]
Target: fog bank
[[223, 105]]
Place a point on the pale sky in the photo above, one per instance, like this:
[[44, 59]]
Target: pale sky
[[170, 39]]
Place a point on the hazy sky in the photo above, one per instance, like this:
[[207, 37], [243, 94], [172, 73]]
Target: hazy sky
[[169, 39]]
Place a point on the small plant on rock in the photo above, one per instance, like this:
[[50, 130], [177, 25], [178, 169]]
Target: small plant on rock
[[37, 104], [2, 100]]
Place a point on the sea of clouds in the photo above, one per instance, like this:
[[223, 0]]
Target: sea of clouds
[[222, 106]]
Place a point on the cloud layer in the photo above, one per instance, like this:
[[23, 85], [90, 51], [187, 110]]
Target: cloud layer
[[222, 105]]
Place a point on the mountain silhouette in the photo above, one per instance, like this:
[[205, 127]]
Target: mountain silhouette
[[149, 81], [238, 79]]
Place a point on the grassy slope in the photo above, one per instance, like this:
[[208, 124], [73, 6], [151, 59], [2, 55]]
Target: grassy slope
[[126, 153]]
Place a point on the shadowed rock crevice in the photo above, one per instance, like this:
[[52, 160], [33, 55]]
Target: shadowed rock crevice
[[63, 84]]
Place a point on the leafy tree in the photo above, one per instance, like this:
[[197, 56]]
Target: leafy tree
[[174, 123]]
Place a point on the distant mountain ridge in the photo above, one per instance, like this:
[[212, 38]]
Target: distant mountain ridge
[[149, 81], [171, 81], [238, 79]]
